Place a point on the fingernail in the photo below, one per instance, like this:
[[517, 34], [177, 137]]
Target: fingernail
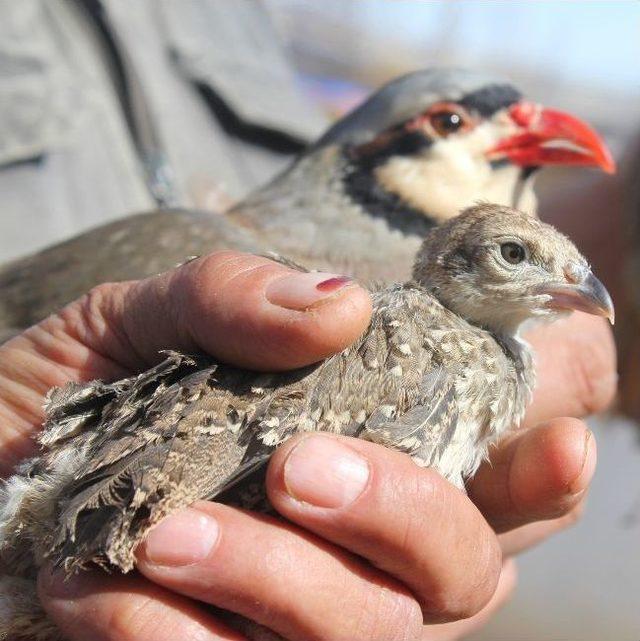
[[181, 539], [56, 584], [581, 482], [300, 291], [324, 472]]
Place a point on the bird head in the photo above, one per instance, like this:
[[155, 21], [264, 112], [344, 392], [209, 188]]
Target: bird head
[[434, 142], [497, 267]]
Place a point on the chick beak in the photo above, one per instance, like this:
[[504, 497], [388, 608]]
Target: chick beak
[[551, 137], [589, 296]]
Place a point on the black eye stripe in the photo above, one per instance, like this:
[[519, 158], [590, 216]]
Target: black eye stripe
[[488, 100]]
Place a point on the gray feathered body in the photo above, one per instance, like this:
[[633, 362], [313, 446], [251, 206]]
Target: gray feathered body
[[118, 457], [304, 214]]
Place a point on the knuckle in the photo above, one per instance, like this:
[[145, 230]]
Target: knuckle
[[87, 319], [594, 373], [387, 615], [464, 588], [469, 591], [413, 488], [145, 617], [417, 487], [87, 308], [131, 619]]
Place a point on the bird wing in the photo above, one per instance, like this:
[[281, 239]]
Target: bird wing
[[186, 429], [424, 430], [143, 447], [135, 247], [418, 410]]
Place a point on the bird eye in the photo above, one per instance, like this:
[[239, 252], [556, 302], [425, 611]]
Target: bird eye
[[446, 122], [447, 119], [513, 253], [443, 119]]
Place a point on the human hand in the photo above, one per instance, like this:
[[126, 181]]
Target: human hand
[[303, 579], [601, 214]]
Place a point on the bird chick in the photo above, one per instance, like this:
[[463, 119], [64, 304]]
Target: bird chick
[[441, 373]]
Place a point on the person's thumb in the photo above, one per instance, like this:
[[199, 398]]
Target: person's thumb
[[243, 309]]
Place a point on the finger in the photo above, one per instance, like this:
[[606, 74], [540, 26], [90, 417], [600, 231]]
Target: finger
[[576, 366], [276, 575], [380, 505], [461, 629], [521, 539], [542, 473], [245, 310], [98, 607]]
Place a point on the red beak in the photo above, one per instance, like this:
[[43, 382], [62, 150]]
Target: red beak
[[552, 137]]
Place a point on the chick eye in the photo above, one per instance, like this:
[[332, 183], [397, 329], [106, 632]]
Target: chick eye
[[513, 253]]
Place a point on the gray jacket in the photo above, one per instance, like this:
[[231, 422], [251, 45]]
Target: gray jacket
[[108, 107]]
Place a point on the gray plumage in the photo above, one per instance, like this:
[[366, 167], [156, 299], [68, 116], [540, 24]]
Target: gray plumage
[[439, 374], [359, 201]]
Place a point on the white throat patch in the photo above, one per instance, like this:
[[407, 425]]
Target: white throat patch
[[454, 173]]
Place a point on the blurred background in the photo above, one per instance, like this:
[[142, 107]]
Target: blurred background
[[578, 53], [581, 57]]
